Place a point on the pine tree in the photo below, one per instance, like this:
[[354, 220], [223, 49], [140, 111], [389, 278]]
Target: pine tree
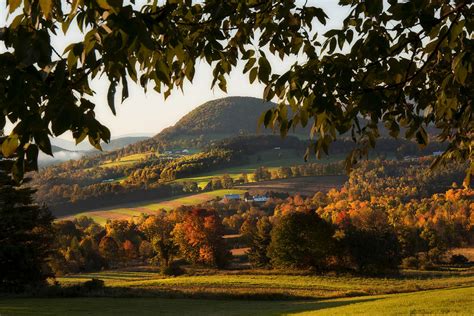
[[260, 239], [26, 235]]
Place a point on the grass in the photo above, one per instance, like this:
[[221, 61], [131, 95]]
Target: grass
[[260, 284], [448, 301], [101, 216], [272, 159], [126, 161]]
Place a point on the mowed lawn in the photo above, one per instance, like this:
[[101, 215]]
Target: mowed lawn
[[447, 301], [101, 216]]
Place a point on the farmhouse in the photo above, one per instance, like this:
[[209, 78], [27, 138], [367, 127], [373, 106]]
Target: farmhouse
[[260, 198], [256, 198], [228, 197]]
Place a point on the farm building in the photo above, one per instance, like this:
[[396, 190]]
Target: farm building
[[260, 198], [229, 197], [256, 198]]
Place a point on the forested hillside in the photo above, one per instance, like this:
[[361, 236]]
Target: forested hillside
[[211, 121]]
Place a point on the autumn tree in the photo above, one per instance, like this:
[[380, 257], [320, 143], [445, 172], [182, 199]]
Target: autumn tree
[[158, 230], [109, 249], [200, 238], [372, 250]]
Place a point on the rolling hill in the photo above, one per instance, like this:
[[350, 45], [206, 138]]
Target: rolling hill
[[209, 122]]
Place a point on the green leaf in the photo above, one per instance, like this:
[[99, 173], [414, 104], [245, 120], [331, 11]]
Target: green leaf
[[253, 74], [32, 157], [422, 137], [268, 117], [9, 145], [349, 36], [264, 69], [43, 142], [249, 64], [111, 95], [374, 7], [124, 88]]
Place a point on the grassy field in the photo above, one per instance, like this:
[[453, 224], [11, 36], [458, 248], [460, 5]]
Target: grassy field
[[302, 185], [271, 285], [126, 161], [272, 159], [101, 216], [446, 301]]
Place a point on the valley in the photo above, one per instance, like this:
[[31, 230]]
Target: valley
[[220, 213]]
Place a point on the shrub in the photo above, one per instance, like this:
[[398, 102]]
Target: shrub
[[410, 263], [173, 269], [94, 285], [458, 259]]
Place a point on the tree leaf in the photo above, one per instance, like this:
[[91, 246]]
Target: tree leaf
[[46, 6], [14, 4], [111, 95], [9, 145]]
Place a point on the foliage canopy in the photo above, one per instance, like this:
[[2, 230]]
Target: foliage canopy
[[406, 64]]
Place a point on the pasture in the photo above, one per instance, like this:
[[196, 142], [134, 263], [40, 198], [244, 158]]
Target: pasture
[[441, 294], [302, 185], [136, 209], [272, 159], [268, 284], [127, 160]]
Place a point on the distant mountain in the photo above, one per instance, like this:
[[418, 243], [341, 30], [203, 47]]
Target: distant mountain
[[114, 144], [221, 118], [122, 142]]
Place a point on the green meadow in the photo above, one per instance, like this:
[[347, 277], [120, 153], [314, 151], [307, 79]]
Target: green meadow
[[272, 284], [442, 294]]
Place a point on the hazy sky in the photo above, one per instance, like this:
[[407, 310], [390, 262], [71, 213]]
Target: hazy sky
[[149, 113]]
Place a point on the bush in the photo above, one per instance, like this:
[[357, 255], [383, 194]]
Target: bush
[[458, 259], [173, 270], [410, 263], [425, 262], [94, 285]]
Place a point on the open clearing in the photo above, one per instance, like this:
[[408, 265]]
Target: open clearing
[[136, 209], [272, 159], [127, 160], [302, 185], [447, 300]]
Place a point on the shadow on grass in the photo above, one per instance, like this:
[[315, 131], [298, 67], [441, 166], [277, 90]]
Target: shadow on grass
[[162, 306]]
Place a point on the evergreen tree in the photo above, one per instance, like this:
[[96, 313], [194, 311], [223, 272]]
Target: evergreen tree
[[26, 235], [260, 239]]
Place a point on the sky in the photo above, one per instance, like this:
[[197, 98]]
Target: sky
[[148, 113]]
